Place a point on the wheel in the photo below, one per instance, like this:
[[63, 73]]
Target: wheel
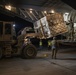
[[29, 52], [0, 53]]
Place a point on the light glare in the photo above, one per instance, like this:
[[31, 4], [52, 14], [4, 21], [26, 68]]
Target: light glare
[[8, 7]]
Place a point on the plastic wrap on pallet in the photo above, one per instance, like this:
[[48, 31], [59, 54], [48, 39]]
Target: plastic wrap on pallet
[[56, 24], [50, 25], [45, 26], [37, 24], [38, 28]]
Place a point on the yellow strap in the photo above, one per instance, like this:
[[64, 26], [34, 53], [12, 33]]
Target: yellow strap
[[40, 43], [49, 43]]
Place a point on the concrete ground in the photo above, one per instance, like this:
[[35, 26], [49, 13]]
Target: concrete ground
[[65, 64]]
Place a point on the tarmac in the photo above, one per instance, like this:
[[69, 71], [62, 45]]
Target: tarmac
[[43, 64]]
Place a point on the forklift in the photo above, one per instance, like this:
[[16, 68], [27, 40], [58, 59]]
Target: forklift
[[11, 45]]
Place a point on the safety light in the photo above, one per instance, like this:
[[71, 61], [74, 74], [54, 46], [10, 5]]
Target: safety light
[[52, 11], [45, 12], [8, 7], [13, 25], [30, 10], [25, 40]]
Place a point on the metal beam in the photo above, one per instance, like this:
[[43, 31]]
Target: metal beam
[[38, 8], [29, 15], [22, 12], [36, 12], [34, 16]]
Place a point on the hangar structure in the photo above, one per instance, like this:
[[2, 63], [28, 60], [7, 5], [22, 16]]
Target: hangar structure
[[33, 10], [55, 17]]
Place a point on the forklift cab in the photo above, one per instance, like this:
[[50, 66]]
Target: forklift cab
[[6, 31]]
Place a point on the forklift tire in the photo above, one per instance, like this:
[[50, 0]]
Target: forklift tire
[[29, 52], [0, 53]]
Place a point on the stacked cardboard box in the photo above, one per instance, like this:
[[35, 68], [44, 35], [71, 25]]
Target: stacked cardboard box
[[56, 24], [50, 25]]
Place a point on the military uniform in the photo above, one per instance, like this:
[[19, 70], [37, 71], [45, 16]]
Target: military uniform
[[54, 48]]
